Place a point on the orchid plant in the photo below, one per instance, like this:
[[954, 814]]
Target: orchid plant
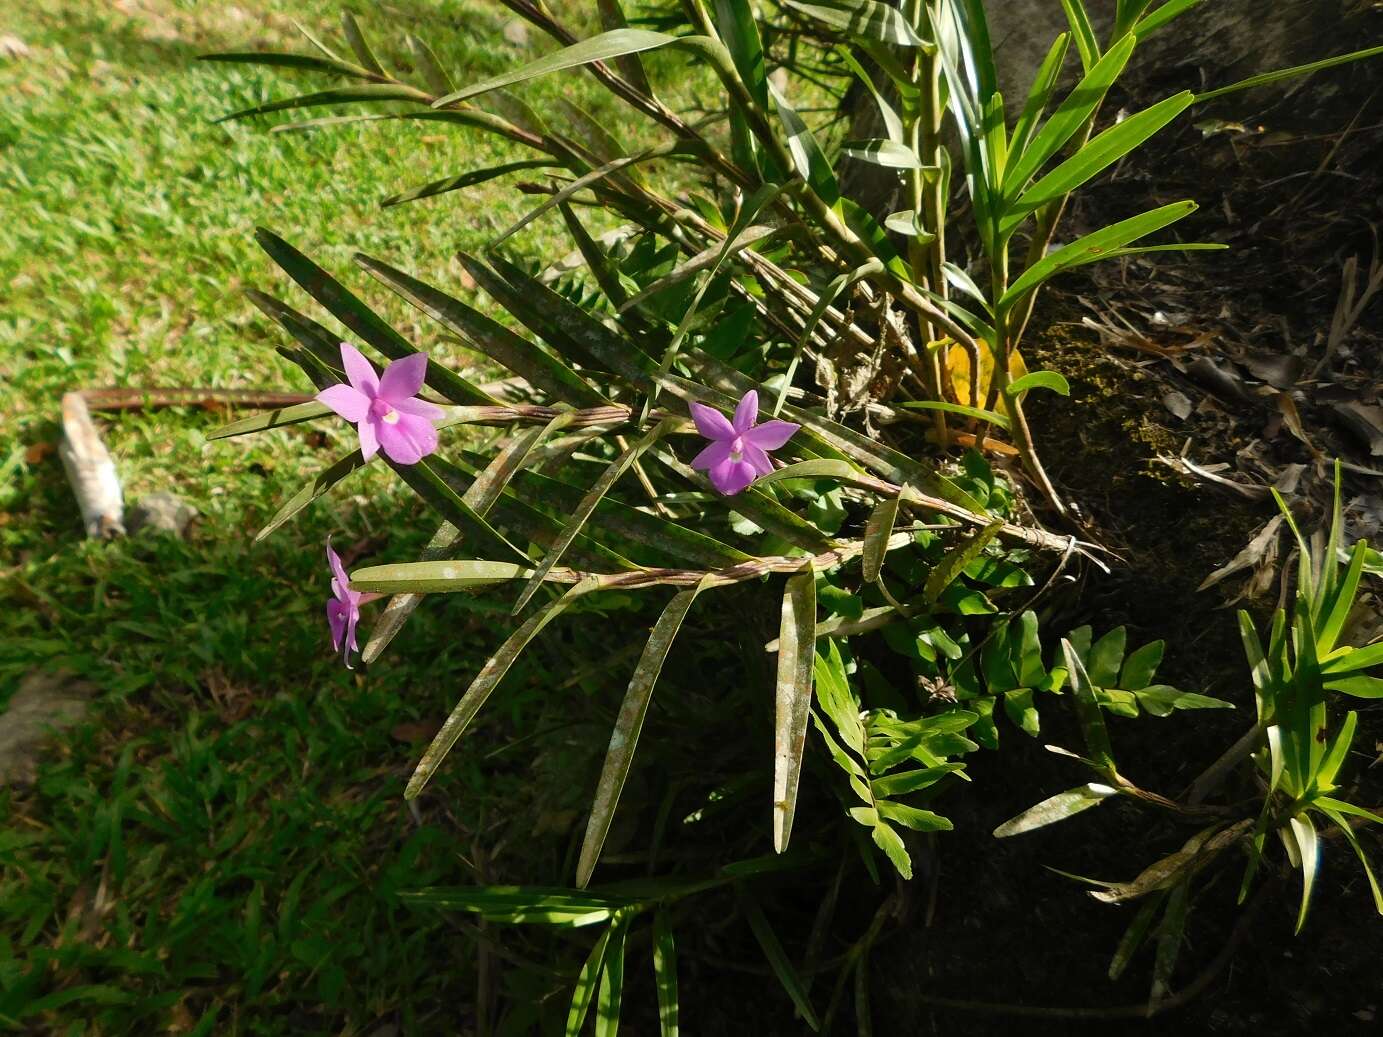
[[709, 300]]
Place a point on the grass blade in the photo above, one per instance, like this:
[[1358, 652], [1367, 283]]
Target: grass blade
[[796, 649], [625, 737], [485, 682]]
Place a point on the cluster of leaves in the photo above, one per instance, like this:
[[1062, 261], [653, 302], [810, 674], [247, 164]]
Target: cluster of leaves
[[722, 289], [1298, 745]]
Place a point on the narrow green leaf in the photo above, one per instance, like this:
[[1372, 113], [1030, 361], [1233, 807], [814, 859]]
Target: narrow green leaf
[[979, 413], [625, 737], [613, 44], [1267, 78], [279, 417], [913, 817], [434, 76], [602, 485], [1094, 246], [308, 62], [1170, 935], [541, 370], [1343, 824], [322, 483], [1134, 936], [1335, 757], [1150, 23], [435, 577], [1056, 808], [1359, 686], [811, 162], [665, 974], [887, 153], [485, 682], [354, 314], [1160, 699], [1088, 708], [1082, 32], [876, 535], [953, 563], [796, 649], [464, 180], [1039, 96], [777, 957], [1069, 117], [1095, 157], [886, 839], [611, 994], [1308, 852], [1057, 383], [517, 905], [610, 168], [584, 992], [356, 38], [865, 19], [365, 93], [892, 123]]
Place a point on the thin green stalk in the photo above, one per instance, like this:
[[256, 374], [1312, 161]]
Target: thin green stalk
[[922, 128]]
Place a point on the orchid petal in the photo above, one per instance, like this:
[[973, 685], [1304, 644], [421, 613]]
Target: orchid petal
[[369, 438], [711, 456], [711, 423], [346, 401], [771, 434], [336, 621], [403, 378], [757, 459], [359, 371], [747, 412], [730, 476], [337, 569], [408, 440], [420, 408]]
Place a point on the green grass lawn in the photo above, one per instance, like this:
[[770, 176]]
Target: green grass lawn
[[216, 850]]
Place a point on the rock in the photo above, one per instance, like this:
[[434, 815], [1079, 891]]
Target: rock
[[516, 32], [44, 704], [161, 512]]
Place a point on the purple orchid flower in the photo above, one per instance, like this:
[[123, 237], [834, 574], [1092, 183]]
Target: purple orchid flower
[[738, 453], [343, 610], [384, 408]]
